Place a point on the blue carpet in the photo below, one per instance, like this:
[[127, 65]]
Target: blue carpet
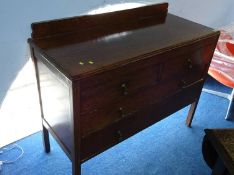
[[166, 148], [212, 84]]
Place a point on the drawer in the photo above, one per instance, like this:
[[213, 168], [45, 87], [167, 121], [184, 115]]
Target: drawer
[[114, 133], [189, 66], [101, 90], [126, 106]]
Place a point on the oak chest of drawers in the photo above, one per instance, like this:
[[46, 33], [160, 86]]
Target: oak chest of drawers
[[105, 77]]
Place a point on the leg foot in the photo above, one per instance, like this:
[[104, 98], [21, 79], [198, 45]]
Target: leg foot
[[191, 113], [76, 168], [46, 140]]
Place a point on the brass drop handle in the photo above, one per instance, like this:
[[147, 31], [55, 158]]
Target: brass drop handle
[[124, 88], [190, 64], [120, 135], [126, 114], [183, 83], [121, 112]]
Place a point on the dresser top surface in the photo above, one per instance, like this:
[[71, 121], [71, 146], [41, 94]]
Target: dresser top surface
[[81, 53]]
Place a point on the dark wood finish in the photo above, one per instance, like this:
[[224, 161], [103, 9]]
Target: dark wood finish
[[46, 141], [76, 125], [119, 19], [191, 113], [106, 137], [103, 78], [45, 132], [218, 150]]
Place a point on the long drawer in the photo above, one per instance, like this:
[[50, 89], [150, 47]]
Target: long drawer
[[101, 140]]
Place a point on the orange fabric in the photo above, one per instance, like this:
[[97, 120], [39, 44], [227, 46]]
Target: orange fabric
[[230, 47], [221, 78], [222, 64]]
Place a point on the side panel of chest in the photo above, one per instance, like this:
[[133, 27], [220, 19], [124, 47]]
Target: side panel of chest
[[55, 99]]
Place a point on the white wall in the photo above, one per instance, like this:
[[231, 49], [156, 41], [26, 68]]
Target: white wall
[[16, 17], [15, 20], [213, 13]]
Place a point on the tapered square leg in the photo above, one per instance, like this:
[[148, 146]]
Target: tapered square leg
[[76, 163], [46, 140], [191, 113], [76, 168]]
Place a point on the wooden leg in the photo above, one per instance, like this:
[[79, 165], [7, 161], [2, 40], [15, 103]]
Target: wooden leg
[[46, 139], [191, 113], [76, 163], [76, 168]]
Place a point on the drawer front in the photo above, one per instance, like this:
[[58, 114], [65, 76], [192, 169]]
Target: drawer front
[[189, 66], [126, 106], [106, 88], [102, 139]]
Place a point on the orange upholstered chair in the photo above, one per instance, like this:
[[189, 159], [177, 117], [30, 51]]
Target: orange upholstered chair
[[222, 67]]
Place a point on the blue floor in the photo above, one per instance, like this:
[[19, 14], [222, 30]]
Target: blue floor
[[166, 148], [212, 84]]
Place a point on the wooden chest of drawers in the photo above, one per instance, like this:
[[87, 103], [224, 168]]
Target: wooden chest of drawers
[[105, 77]]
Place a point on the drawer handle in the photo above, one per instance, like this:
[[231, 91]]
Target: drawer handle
[[183, 83], [123, 114], [124, 88], [190, 64], [120, 135]]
